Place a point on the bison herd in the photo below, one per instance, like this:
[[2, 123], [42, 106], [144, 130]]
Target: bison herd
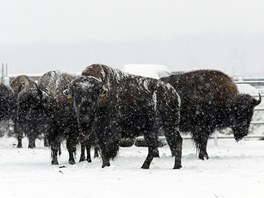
[[103, 105]]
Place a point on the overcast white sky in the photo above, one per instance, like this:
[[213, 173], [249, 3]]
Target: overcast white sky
[[37, 36]]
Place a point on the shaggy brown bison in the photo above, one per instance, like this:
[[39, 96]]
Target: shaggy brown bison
[[6, 102], [22, 83], [46, 108], [6, 106], [210, 100], [118, 105]]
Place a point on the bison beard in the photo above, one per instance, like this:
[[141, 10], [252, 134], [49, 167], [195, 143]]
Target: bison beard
[[119, 105], [210, 100]]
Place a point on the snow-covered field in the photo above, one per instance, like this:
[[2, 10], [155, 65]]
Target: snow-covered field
[[234, 170]]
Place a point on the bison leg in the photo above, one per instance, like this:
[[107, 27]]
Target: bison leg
[[71, 157], [46, 141], [151, 139], [108, 139], [70, 144], [19, 136], [31, 141], [201, 143], [55, 147], [202, 151], [88, 151], [105, 157], [31, 144], [174, 141], [96, 151], [152, 152], [82, 157], [19, 142], [106, 161], [108, 151]]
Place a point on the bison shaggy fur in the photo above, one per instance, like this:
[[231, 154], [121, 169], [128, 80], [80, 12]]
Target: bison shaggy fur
[[118, 105], [210, 101]]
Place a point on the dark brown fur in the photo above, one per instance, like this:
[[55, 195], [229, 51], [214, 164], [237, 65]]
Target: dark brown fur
[[126, 106], [210, 100], [21, 83], [205, 84]]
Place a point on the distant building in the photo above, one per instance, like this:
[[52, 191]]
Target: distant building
[[147, 70]]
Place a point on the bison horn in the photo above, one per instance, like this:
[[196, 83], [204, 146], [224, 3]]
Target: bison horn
[[257, 102]]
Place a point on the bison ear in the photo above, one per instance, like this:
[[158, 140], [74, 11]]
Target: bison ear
[[256, 102]]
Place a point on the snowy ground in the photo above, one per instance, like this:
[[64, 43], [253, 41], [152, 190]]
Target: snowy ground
[[233, 170]]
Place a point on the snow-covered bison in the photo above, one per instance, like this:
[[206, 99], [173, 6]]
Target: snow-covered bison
[[117, 105], [6, 102], [45, 108], [22, 83], [210, 100], [6, 107]]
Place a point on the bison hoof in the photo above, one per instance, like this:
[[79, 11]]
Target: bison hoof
[[54, 162], [106, 164], [19, 146], [89, 160], [203, 156], [144, 167], [177, 167], [71, 162], [82, 159]]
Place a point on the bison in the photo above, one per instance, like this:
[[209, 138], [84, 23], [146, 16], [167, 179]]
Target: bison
[[19, 84], [46, 108], [115, 105], [6, 104], [210, 101]]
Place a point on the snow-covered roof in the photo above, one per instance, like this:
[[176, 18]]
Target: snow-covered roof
[[247, 89], [147, 70]]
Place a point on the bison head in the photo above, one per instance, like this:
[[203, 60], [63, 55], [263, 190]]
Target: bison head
[[84, 92], [31, 114], [242, 113]]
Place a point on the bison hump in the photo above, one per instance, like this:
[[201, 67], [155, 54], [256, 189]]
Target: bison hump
[[208, 85], [54, 83]]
